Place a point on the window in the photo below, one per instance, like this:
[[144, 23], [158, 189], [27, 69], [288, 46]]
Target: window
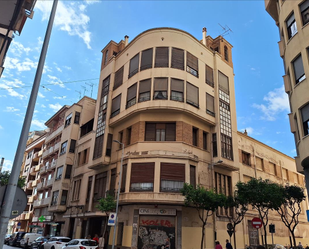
[[205, 135], [106, 57], [245, 158], [68, 120], [177, 88], [226, 147], [116, 105], [129, 131], [146, 61], [161, 59], [192, 64], [118, 78], [178, 58], [46, 194], [144, 90], [284, 174], [192, 95], [120, 233], [120, 139], [299, 72], [100, 185], [172, 177], [160, 132], [63, 148], [68, 172], [304, 9], [134, 65], [291, 26], [63, 200], [214, 145], [142, 177], [209, 76], [259, 163], [55, 198], [112, 185], [98, 146], [223, 185], [210, 104], [131, 95], [76, 190], [194, 136], [77, 118], [223, 82], [124, 177], [109, 145], [226, 53], [272, 168], [59, 173], [192, 176], [83, 157], [89, 188], [72, 146], [86, 128], [160, 88], [305, 118]]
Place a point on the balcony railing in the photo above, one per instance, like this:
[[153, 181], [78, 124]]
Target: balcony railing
[[29, 185], [35, 182], [42, 202], [53, 164], [40, 153], [32, 171], [50, 182], [37, 168], [54, 133], [28, 215]]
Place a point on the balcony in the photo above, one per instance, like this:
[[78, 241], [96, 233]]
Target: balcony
[[35, 157], [40, 186], [23, 216], [43, 170], [37, 168], [35, 219], [287, 83], [32, 171], [57, 146], [50, 182], [54, 134], [292, 123], [57, 208], [42, 202], [53, 165], [48, 151], [35, 182], [29, 184], [30, 199], [40, 153], [281, 48], [28, 216]]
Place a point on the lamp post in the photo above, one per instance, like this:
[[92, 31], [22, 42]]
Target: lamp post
[[118, 192]]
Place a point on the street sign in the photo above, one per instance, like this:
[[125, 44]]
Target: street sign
[[229, 226], [111, 219], [230, 232], [272, 228], [256, 223]]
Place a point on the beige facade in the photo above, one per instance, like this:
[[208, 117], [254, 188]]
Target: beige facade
[[292, 18]]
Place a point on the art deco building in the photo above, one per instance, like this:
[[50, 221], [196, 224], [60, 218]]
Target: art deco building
[[292, 19]]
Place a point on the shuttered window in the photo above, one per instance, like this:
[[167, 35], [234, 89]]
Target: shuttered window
[[192, 95], [116, 106], [305, 119], [259, 163], [109, 145], [72, 146], [160, 88], [160, 132], [178, 58], [98, 147], [112, 185], [118, 78], [192, 176], [134, 65], [131, 96], [146, 61], [144, 90], [177, 88], [209, 76], [210, 104], [291, 26], [304, 9], [192, 64], [299, 72], [142, 177], [161, 59], [124, 178], [223, 82], [172, 177], [100, 186]]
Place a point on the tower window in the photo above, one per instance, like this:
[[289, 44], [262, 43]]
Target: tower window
[[226, 53]]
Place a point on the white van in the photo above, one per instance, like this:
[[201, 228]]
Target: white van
[[31, 237]]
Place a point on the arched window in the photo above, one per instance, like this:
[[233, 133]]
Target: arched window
[[226, 55], [106, 57]]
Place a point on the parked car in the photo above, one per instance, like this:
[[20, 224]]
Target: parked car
[[56, 242], [7, 238], [15, 239], [37, 243], [30, 237], [81, 244]]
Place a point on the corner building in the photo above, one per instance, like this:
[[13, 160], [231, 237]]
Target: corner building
[[292, 19]]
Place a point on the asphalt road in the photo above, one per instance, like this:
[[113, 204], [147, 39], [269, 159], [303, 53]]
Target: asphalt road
[[9, 247]]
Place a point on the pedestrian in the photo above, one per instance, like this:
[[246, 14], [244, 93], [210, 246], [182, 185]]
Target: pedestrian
[[101, 242], [218, 246], [228, 245], [300, 246], [167, 243], [96, 238], [27, 243]]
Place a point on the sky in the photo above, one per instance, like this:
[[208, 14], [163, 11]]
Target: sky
[[82, 29]]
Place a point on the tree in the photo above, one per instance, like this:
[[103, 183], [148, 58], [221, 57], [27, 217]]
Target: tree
[[204, 201], [263, 195], [106, 205], [290, 209], [5, 176]]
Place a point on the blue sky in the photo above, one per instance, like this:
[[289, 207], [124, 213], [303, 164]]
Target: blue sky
[[83, 28]]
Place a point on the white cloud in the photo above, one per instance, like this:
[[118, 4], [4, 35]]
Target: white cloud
[[68, 68], [39, 124], [18, 49], [69, 17], [41, 95], [14, 63], [59, 69], [61, 97], [11, 109], [276, 101], [9, 85], [1, 128], [43, 106], [54, 80], [248, 129], [7, 165], [55, 107]]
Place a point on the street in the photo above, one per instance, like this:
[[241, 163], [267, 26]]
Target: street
[[9, 247]]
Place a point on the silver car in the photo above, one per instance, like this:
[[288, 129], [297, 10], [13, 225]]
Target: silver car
[[56, 242]]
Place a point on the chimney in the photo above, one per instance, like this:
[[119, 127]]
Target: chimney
[[245, 132], [204, 35], [126, 40]]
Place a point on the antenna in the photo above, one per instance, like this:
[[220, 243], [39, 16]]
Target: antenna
[[91, 85], [80, 94], [225, 30], [85, 90]]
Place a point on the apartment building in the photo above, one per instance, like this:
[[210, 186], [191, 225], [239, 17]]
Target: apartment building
[[292, 18]]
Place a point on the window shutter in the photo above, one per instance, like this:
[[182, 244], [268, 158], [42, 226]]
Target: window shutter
[[304, 6], [109, 144], [161, 59], [146, 61], [134, 65], [210, 105], [192, 94], [116, 103], [177, 58], [305, 113], [209, 76], [112, 185], [124, 177], [142, 172], [290, 20], [145, 86], [170, 134], [173, 172], [177, 85], [298, 67], [118, 78], [150, 132], [77, 117], [132, 92], [192, 176], [223, 82], [72, 146], [192, 61], [160, 84]]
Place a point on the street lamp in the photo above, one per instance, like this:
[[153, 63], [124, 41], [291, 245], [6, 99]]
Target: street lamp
[[119, 186]]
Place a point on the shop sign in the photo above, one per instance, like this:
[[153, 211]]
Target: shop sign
[[157, 211]]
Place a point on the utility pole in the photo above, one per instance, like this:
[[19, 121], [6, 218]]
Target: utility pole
[[1, 164], [12, 185]]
